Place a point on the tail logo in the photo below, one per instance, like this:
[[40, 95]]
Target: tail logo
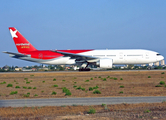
[[13, 33], [23, 45]]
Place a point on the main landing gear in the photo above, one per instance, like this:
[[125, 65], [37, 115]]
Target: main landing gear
[[84, 69]]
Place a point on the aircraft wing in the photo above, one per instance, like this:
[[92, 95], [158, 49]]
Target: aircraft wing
[[15, 54], [78, 57]]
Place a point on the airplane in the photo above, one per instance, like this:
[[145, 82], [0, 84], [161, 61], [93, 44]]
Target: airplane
[[102, 58]]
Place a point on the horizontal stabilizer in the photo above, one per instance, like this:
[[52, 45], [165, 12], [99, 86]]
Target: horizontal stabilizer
[[16, 54]]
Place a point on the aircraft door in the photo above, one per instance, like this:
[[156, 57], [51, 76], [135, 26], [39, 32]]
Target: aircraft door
[[121, 56], [147, 55]]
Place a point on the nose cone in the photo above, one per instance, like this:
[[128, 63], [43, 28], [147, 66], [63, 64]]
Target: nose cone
[[162, 58], [159, 58]]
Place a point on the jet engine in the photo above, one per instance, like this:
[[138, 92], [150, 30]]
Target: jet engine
[[105, 63]]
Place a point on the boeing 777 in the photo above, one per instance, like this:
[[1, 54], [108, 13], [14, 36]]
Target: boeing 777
[[101, 58]]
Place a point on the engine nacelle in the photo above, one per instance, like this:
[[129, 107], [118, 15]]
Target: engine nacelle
[[105, 63]]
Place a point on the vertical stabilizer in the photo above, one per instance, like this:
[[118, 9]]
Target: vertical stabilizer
[[21, 43]]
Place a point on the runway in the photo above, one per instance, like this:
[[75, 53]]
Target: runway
[[79, 101], [81, 71]]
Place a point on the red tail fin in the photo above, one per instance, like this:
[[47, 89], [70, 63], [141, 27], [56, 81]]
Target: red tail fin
[[21, 43]]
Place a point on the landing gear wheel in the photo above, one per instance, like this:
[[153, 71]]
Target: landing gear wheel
[[84, 69]]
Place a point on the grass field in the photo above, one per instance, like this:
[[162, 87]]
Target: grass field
[[101, 112], [82, 84]]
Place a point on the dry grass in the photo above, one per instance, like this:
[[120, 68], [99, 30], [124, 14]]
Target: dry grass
[[136, 83], [120, 111]]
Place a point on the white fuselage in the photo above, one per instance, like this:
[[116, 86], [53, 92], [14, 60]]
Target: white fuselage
[[130, 56], [121, 56]]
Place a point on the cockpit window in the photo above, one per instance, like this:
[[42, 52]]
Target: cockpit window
[[158, 54]]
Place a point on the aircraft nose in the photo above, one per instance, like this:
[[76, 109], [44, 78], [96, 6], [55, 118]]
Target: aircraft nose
[[162, 58], [159, 58]]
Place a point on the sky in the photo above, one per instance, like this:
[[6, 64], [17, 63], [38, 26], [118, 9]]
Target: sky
[[83, 24]]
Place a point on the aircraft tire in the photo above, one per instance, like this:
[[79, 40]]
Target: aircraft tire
[[84, 69]]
